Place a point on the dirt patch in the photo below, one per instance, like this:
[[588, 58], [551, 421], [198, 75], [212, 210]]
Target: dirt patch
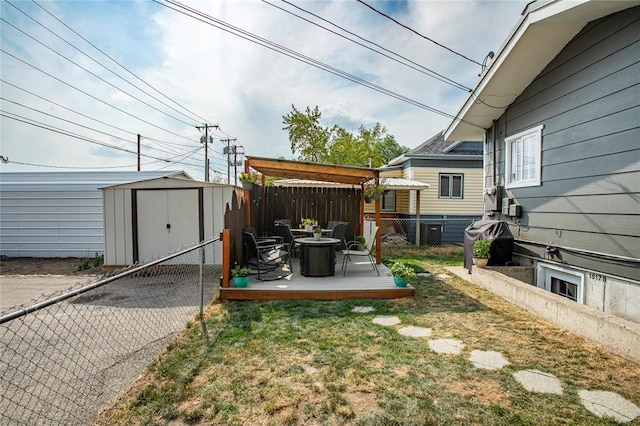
[[49, 266]]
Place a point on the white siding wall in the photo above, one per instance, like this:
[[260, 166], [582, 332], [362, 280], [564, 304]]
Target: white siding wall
[[56, 214]]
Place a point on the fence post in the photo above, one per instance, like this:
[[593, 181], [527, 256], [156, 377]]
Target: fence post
[[201, 284], [226, 257]]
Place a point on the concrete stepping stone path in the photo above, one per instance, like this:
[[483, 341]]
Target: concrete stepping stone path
[[446, 346], [488, 360], [388, 320], [609, 404], [412, 331], [539, 381], [600, 403], [363, 309]]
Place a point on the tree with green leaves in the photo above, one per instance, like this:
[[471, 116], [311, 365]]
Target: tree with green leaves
[[306, 134], [368, 148]]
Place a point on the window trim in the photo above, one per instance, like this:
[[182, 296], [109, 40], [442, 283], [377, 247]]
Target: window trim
[[536, 132], [451, 175], [546, 271]]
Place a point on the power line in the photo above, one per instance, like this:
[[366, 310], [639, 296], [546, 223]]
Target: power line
[[217, 23], [78, 124], [95, 75], [88, 94], [424, 70], [417, 33], [118, 63], [26, 120]]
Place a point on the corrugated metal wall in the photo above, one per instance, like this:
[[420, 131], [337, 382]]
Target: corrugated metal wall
[[57, 214]]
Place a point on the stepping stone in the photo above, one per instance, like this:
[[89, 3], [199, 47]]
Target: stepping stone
[[539, 381], [488, 360], [444, 276], [609, 404], [388, 320], [412, 331], [446, 346], [363, 309]]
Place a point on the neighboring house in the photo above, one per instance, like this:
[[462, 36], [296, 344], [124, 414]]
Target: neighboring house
[[58, 214], [454, 172], [558, 110]]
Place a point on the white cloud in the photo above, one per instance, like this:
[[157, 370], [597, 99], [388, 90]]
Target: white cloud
[[233, 82]]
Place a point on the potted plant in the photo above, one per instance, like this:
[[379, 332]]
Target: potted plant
[[248, 179], [372, 191], [361, 242], [317, 232], [308, 223], [481, 250], [240, 276], [401, 273]]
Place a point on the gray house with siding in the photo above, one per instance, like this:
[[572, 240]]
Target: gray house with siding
[[558, 111]]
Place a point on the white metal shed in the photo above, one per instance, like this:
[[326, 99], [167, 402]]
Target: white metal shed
[[58, 214], [148, 219]]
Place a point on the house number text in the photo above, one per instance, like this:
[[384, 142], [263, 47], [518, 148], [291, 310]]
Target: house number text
[[597, 277]]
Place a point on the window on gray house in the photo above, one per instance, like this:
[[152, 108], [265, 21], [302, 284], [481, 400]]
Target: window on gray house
[[451, 185]]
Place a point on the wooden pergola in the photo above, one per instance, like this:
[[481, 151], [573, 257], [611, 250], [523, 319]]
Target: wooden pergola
[[291, 169]]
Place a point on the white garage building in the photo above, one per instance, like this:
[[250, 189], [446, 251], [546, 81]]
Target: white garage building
[[61, 214]]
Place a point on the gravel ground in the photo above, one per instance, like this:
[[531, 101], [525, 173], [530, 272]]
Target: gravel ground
[[61, 364]]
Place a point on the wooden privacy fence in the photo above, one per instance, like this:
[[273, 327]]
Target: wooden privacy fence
[[295, 203]]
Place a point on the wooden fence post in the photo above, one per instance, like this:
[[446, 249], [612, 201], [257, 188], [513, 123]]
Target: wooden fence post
[[226, 257]]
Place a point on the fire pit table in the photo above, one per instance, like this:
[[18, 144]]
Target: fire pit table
[[317, 256]]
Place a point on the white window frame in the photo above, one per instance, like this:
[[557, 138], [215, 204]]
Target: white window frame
[[547, 271], [529, 144]]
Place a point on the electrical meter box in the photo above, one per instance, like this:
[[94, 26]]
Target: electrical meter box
[[506, 202]]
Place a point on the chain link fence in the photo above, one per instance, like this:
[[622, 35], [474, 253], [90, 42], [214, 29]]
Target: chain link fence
[[65, 357], [432, 231]]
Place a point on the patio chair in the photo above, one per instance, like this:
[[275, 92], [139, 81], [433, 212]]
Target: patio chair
[[284, 231], [265, 256], [339, 231], [352, 250]]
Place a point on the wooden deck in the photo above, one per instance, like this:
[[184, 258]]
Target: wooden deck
[[361, 282]]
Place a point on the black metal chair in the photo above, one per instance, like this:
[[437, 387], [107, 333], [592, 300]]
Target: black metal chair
[[284, 231], [266, 257], [339, 231]]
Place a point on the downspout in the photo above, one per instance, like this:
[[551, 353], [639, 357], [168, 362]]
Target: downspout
[[493, 131]]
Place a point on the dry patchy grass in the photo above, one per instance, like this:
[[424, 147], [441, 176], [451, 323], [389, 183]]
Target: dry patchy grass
[[317, 363]]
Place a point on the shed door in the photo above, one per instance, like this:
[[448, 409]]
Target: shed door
[[168, 220]]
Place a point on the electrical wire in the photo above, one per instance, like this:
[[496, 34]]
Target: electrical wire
[[424, 70], [95, 75], [41, 125], [418, 34], [120, 65], [217, 23], [80, 125], [90, 95]]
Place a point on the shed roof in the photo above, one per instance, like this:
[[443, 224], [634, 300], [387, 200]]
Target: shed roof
[[312, 171]]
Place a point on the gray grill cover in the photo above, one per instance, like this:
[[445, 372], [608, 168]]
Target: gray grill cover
[[497, 233]]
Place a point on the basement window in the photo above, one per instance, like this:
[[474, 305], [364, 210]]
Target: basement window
[[562, 281]]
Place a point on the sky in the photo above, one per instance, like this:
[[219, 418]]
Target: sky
[[81, 79]]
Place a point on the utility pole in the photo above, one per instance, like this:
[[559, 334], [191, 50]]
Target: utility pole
[[227, 150], [206, 140], [139, 137]]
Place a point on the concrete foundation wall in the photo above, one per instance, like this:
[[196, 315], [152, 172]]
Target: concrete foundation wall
[[616, 334]]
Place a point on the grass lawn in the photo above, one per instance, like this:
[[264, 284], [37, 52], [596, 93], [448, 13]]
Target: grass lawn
[[317, 363]]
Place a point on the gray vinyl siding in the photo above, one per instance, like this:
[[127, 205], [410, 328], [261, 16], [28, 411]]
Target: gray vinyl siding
[[588, 99]]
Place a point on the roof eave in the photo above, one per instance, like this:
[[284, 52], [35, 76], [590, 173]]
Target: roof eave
[[536, 39]]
